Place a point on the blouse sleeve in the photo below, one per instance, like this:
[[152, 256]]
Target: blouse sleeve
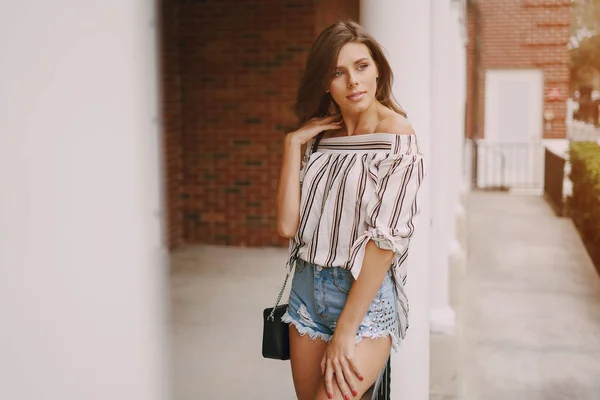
[[391, 211]]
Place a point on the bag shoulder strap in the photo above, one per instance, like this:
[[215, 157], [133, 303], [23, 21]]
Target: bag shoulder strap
[[316, 142], [271, 317]]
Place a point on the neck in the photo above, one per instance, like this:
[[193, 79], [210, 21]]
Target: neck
[[363, 122]]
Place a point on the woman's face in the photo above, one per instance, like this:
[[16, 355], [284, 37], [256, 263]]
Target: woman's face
[[354, 81]]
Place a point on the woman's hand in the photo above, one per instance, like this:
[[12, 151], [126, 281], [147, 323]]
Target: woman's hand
[[315, 126], [339, 361]]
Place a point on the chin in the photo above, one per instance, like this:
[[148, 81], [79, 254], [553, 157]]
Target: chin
[[358, 107]]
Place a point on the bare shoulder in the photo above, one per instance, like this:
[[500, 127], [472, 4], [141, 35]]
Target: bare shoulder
[[396, 124]]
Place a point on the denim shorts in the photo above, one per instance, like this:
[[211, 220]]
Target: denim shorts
[[319, 294]]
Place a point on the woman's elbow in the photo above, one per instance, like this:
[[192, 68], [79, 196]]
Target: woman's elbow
[[286, 230]]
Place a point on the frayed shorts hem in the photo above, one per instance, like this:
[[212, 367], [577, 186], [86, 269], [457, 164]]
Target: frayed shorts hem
[[379, 335], [305, 330], [313, 334]]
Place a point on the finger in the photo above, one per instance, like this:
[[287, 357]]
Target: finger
[[350, 378], [323, 363], [329, 379], [341, 380], [354, 368]]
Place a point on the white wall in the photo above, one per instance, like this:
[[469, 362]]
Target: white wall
[[82, 288]]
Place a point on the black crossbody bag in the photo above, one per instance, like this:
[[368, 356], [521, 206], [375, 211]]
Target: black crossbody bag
[[276, 336]]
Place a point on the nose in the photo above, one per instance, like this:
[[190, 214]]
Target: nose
[[352, 81]]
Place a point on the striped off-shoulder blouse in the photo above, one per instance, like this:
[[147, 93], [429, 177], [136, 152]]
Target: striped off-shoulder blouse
[[355, 189]]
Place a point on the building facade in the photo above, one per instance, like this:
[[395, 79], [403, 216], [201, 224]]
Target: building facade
[[518, 69], [517, 87]]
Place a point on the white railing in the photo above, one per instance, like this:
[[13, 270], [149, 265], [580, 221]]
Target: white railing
[[505, 166]]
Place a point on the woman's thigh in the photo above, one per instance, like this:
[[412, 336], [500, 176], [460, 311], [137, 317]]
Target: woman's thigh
[[370, 357], [305, 359], [317, 299]]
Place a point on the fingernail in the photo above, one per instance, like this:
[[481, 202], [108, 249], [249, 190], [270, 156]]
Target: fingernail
[[361, 378], [355, 393], [346, 397], [330, 395]]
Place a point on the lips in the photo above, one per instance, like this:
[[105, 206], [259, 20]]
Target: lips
[[358, 96]]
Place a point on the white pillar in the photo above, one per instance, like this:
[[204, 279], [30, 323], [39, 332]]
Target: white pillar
[[442, 178], [403, 28], [457, 35], [82, 293]]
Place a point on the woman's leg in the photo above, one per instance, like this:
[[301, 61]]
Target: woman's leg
[[305, 358], [317, 298], [371, 356]]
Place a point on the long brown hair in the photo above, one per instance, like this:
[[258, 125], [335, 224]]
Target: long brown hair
[[312, 100]]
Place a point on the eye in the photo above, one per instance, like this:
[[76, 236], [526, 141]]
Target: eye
[[362, 66], [338, 73]]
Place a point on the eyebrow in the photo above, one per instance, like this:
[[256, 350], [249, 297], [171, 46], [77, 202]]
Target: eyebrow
[[355, 62]]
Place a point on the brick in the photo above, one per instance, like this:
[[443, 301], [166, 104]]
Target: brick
[[229, 74], [212, 217], [517, 34]]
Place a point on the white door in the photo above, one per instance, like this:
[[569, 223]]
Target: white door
[[511, 153]]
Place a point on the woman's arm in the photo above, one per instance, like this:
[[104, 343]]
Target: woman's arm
[[389, 217], [339, 357], [288, 191], [376, 264]]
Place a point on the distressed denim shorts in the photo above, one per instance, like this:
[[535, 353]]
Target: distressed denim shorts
[[319, 294]]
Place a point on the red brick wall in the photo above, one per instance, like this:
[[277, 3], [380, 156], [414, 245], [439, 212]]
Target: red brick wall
[[239, 63], [524, 34], [330, 11], [171, 119]]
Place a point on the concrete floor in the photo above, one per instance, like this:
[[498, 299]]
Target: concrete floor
[[527, 305], [529, 311]]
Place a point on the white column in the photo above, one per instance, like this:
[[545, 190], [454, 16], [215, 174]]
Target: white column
[[457, 35], [403, 28], [442, 160], [82, 293]]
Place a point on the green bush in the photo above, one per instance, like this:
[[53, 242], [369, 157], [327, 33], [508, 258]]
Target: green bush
[[584, 205]]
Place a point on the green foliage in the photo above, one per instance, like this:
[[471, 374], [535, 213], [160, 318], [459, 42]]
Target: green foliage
[[584, 205], [587, 54], [585, 38]]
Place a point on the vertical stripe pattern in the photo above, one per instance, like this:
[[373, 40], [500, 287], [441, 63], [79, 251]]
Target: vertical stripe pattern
[[355, 189]]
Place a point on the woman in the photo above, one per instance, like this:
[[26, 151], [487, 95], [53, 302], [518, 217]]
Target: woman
[[348, 208]]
